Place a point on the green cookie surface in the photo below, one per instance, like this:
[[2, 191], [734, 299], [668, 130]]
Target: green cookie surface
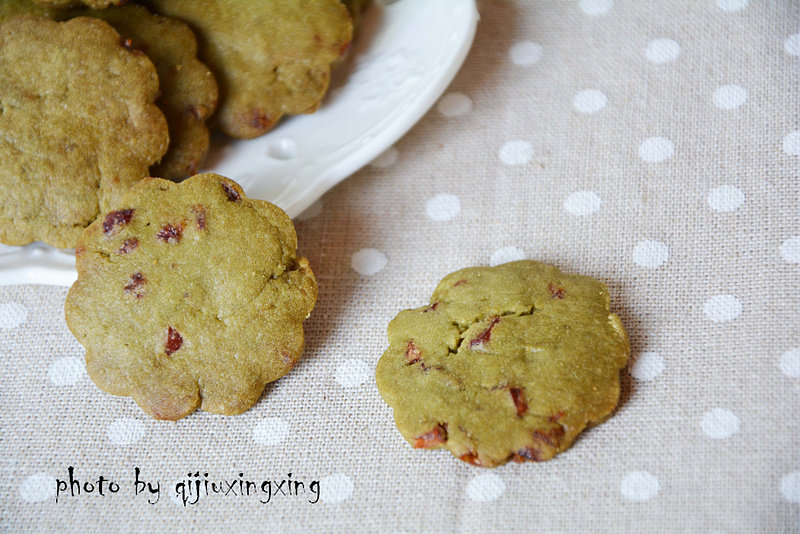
[[188, 89], [78, 125], [190, 295], [95, 4], [506, 363], [271, 57]]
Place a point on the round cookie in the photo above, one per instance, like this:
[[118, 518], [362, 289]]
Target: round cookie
[[78, 126], [190, 295], [506, 363], [271, 57]]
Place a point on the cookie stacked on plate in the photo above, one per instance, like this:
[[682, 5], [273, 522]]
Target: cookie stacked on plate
[[93, 100], [189, 295]]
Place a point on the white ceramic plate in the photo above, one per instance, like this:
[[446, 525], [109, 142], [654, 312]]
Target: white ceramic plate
[[406, 54]]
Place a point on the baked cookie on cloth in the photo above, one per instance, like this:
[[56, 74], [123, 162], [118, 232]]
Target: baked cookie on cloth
[[78, 126], [271, 57], [506, 363], [190, 296]]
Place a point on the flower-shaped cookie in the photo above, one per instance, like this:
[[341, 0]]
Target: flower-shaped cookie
[[190, 295], [271, 57], [507, 362], [78, 125]]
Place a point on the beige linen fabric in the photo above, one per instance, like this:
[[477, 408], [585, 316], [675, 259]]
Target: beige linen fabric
[[695, 232]]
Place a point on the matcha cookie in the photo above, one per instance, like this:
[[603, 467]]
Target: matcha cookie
[[190, 296], [78, 126], [506, 363], [95, 4], [188, 89], [15, 8], [271, 57], [356, 7]]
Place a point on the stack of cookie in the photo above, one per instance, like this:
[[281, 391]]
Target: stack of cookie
[[96, 97], [189, 295]]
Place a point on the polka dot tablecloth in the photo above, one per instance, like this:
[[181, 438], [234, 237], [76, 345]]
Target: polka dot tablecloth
[[653, 145]]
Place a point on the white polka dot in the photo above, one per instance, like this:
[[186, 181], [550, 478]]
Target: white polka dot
[[12, 315], [647, 366], [38, 488], [485, 487], [732, 5], [791, 143], [386, 159], [656, 149], [790, 249], [720, 423], [650, 254], [443, 207], [596, 7], [582, 203], [790, 363], [310, 212], [352, 373], [270, 431], [525, 53], [516, 153], [368, 261], [335, 488], [65, 371], [792, 44], [640, 486], [730, 96], [790, 487], [662, 51], [589, 101], [454, 104], [125, 431], [505, 255], [725, 198], [722, 308]]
